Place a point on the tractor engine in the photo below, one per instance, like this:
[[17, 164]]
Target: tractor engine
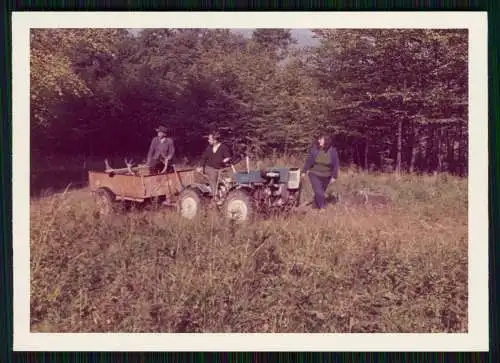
[[279, 192]]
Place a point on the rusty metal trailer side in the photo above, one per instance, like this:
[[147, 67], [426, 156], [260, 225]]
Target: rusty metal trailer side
[[140, 187]]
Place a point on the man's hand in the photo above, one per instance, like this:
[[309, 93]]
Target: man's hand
[[199, 169], [226, 160], [332, 180]]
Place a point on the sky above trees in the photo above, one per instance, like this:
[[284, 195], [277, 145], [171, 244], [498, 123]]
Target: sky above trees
[[304, 37]]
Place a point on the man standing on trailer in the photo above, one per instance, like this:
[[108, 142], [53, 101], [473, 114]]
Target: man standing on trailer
[[161, 151], [214, 159]]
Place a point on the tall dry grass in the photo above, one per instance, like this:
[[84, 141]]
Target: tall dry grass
[[400, 267]]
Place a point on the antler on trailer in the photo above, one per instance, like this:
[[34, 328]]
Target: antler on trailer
[[165, 161], [127, 169], [108, 167], [129, 166]]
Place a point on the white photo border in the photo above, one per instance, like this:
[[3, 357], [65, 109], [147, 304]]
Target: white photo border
[[477, 338]]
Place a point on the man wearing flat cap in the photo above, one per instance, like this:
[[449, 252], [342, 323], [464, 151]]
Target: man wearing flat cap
[[161, 151]]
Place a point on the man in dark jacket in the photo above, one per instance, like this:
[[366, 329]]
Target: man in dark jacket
[[161, 151], [215, 158]]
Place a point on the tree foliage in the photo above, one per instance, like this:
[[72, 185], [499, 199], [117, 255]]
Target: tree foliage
[[389, 97]]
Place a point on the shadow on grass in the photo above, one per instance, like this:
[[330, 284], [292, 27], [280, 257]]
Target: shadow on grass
[[329, 199]]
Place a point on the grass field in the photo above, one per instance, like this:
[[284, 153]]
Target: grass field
[[398, 267]]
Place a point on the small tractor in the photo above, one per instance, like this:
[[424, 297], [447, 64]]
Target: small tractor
[[244, 194]]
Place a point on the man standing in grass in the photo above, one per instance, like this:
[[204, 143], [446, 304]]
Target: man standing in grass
[[322, 166]]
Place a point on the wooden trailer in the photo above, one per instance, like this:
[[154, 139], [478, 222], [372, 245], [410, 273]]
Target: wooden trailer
[[137, 185]]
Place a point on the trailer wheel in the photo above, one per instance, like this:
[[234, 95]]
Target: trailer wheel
[[189, 204], [238, 206], [105, 202]]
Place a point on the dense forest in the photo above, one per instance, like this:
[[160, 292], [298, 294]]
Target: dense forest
[[392, 99]]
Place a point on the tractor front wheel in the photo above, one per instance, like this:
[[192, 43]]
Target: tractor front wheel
[[238, 206]]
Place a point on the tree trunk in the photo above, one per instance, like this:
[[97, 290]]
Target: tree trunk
[[450, 154], [462, 152], [366, 155], [285, 151], [358, 157], [400, 144], [439, 153], [400, 138], [414, 148], [430, 152]]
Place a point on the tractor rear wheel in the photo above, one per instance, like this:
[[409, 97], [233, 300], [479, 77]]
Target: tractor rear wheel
[[189, 204], [105, 202], [239, 206]]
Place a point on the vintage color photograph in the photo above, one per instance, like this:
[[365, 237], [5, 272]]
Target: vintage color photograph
[[194, 180]]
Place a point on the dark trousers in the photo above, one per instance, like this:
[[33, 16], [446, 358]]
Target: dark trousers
[[319, 185], [212, 175]]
